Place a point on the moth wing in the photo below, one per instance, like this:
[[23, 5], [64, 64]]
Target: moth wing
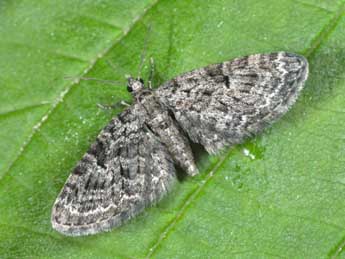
[[222, 104], [124, 171]]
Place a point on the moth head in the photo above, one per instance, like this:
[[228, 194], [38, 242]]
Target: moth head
[[135, 85]]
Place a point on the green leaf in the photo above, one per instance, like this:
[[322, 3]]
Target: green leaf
[[285, 199]]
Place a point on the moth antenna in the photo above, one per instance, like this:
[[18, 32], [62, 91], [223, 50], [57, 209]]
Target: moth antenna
[[111, 82], [111, 64], [152, 71], [143, 52]]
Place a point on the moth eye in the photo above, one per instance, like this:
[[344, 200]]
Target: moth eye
[[163, 125], [129, 89]]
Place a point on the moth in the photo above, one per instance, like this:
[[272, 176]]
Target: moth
[[131, 165]]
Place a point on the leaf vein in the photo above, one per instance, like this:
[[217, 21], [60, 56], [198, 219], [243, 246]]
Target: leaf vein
[[311, 5], [325, 32], [56, 53], [24, 108]]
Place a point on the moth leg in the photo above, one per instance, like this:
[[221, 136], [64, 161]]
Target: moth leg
[[152, 70], [123, 103], [116, 105]]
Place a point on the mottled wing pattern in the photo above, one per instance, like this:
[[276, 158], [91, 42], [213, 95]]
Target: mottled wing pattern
[[222, 104], [125, 170]]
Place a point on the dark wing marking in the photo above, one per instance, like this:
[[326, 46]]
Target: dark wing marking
[[222, 104], [125, 170]]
